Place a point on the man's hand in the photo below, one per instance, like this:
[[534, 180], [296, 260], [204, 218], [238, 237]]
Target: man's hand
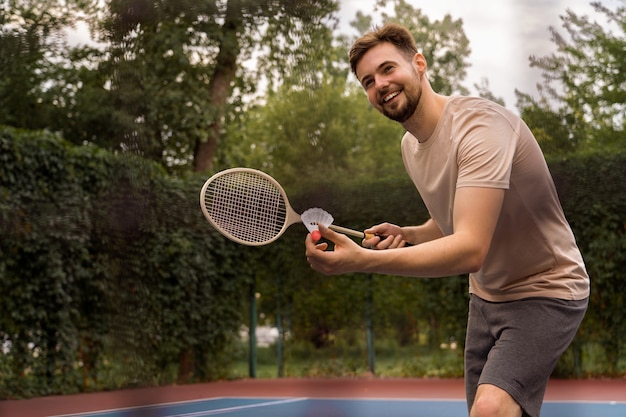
[[343, 259], [386, 236]]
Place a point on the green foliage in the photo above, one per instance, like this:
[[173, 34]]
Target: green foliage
[[594, 198], [583, 95], [299, 141], [299, 41], [31, 52], [165, 75], [443, 43], [110, 277], [106, 262]]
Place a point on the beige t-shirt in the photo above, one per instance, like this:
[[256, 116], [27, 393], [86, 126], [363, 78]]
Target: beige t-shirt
[[478, 143]]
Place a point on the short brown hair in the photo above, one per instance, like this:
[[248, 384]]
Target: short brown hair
[[391, 32]]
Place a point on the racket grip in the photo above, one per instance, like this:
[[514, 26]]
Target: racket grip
[[356, 233]]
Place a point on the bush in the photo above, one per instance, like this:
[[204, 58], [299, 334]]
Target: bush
[[111, 277], [107, 267]]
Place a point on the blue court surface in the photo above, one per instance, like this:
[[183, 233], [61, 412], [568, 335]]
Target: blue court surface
[[310, 407]]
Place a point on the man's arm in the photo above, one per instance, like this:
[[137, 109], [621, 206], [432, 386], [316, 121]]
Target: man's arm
[[475, 213]]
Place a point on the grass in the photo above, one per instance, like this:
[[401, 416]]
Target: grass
[[345, 357], [414, 361], [302, 360]]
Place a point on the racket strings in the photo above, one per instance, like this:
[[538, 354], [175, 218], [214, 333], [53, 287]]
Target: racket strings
[[247, 206]]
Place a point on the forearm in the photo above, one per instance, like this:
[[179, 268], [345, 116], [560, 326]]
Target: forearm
[[426, 232], [445, 256], [459, 253]]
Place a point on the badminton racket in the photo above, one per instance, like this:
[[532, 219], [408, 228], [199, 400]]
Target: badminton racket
[[250, 207]]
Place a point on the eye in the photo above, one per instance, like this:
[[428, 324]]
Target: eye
[[367, 83], [388, 69]]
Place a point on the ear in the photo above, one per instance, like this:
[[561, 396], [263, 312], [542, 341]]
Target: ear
[[420, 63]]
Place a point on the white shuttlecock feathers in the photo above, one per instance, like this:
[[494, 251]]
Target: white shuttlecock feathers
[[314, 216]]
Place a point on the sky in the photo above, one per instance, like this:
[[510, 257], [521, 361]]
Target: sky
[[502, 34]]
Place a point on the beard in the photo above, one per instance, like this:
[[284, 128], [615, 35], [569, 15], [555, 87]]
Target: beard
[[402, 113]]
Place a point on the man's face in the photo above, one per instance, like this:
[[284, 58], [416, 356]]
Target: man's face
[[391, 82]]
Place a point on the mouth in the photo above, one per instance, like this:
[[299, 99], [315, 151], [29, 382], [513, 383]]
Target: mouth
[[390, 96]]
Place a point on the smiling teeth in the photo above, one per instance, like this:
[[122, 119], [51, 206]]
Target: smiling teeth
[[390, 96]]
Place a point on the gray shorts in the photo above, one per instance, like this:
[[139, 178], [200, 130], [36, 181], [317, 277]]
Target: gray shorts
[[515, 345]]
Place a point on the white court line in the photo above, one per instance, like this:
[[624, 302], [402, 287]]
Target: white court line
[[134, 407], [240, 407], [195, 414]]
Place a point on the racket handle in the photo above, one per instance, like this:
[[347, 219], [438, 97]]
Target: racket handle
[[350, 232], [356, 233]]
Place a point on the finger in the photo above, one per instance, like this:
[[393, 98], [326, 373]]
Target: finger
[[321, 246], [374, 231], [328, 233], [397, 241], [311, 245], [386, 242], [382, 229], [370, 242]]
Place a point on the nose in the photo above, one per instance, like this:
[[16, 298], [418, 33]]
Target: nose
[[380, 81]]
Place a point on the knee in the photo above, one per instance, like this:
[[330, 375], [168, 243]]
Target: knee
[[486, 406], [494, 402]]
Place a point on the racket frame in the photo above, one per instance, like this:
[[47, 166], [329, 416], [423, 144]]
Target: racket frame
[[291, 216]]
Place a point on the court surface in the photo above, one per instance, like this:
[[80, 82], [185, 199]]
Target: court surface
[[292, 407], [358, 397]]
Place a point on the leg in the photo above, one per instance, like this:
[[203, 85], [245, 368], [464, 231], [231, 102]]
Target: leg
[[492, 401], [478, 343], [530, 335]]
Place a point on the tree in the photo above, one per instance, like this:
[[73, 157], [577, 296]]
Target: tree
[[442, 42], [582, 99], [30, 44], [328, 132], [177, 72], [167, 74], [483, 91], [157, 77]]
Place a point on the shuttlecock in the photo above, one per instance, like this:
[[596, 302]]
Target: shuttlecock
[[314, 216]]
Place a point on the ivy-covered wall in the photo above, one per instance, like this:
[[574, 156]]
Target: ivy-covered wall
[[111, 277], [107, 268]]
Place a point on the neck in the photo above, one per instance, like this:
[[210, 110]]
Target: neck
[[424, 121]]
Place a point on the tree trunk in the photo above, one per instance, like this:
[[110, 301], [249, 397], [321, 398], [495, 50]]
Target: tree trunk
[[220, 85], [186, 367]]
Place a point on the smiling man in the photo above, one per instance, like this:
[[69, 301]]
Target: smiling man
[[495, 214]]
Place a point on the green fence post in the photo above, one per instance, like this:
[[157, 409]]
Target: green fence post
[[252, 331], [369, 326], [279, 326]]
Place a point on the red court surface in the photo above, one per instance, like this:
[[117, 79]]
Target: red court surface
[[558, 390]]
